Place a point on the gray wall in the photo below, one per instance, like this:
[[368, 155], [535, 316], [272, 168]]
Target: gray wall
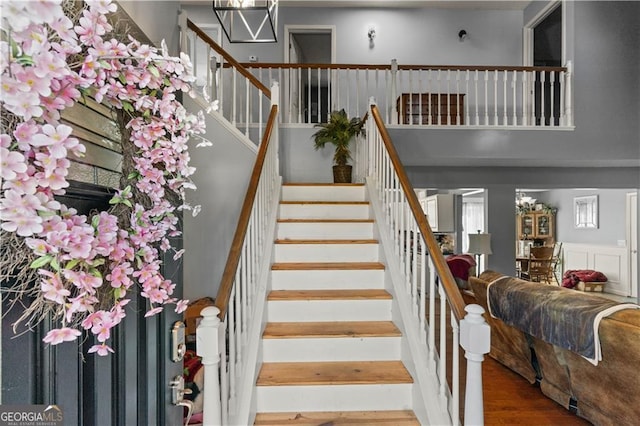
[[158, 20], [612, 216], [222, 176], [410, 35]]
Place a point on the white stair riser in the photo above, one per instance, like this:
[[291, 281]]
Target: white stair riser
[[331, 349], [329, 310], [324, 211], [326, 252], [334, 398], [327, 231], [327, 280], [323, 193]]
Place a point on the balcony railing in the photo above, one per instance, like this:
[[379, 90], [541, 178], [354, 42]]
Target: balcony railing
[[412, 95], [425, 95]]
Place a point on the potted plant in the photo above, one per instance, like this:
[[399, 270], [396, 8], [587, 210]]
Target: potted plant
[[339, 131]]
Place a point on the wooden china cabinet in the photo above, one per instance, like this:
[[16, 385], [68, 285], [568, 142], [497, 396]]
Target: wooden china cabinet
[[536, 225]]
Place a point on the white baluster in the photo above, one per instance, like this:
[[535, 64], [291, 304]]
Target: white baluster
[[475, 339], [466, 105], [477, 100], [495, 97], [569, 94], [505, 120], [207, 346], [543, 80], [486, 97], [442, 362], [458, 97], [394, 91], [514, 85], [455, 373], [552, 98]]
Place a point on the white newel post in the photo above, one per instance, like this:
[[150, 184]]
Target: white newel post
[[568, 98], [207, 346], [475, 339]]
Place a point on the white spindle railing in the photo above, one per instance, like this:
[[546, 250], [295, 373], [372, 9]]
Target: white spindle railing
[[242, 99], [425, 95], [241, 296], [424, 280]]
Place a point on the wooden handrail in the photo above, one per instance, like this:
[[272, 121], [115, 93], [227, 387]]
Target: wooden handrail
[[401, 67], [226, 282], [264, 89], [446, 278]]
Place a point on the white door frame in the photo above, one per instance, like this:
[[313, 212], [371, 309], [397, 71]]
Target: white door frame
[[292, 109], [527, 32], [527, 47], [632, 241]]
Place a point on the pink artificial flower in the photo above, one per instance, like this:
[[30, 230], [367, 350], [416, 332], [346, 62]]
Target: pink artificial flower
[[51, 135], [40, 84], [59, 335], [52, 287], [11, 163], [152, 312], [102, 349], [182, 306]]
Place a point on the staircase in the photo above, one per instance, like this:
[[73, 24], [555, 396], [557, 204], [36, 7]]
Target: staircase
[[331, 353]]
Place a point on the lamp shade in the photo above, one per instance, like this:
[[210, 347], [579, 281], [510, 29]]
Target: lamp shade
[[480, 243]]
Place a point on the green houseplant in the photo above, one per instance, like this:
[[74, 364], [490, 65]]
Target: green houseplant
[[339, 131]]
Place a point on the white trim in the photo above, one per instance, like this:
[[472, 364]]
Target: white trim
[[296, 29], [527, 31]]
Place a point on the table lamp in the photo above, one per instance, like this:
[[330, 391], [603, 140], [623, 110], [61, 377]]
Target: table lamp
[[479, 244]]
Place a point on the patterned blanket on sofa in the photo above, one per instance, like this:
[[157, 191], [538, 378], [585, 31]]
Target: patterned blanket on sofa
[[562, 317]]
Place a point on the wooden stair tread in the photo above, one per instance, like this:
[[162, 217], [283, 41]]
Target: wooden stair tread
[[332, 203], [292, 330], [325, 220], [333, 373], [329, 294], [326, 418], [353, 241], [312, 266]]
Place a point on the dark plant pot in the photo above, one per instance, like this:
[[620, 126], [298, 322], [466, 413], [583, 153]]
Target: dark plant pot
[[342, 174]]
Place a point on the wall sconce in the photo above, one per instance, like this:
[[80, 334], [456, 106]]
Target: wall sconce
[[462, 35], [372, 33]]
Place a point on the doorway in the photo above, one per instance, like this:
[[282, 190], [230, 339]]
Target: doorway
[[544, 47], [307, 90]]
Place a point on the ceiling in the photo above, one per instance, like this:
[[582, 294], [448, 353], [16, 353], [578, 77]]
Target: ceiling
[[447, 4]]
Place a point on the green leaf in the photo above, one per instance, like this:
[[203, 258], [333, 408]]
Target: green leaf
[[98, 262], [154, 71], [41, 261], [133, 175], [127, 203], [72, 264], [106, 65], [115, 200], [95, 273], [55, 265], [95, 221], [122, 79], [127, 106]]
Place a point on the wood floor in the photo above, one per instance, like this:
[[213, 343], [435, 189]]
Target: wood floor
[[511, 400]]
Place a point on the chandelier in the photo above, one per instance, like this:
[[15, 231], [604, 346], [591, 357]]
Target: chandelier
[[248, 21]]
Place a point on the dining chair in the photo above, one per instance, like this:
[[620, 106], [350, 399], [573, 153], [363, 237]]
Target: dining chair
[[539, 268]]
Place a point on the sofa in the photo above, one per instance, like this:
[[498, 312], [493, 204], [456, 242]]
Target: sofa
[[605, 394]]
